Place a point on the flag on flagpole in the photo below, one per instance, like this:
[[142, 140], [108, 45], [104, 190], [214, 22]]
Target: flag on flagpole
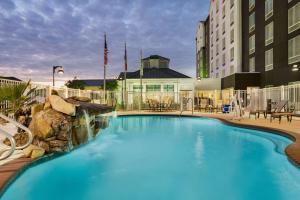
[[125, 58], [105, 51]]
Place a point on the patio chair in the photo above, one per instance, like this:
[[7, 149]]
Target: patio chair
[[203, 105], [279, 111], [252, 110], [294, 114], [153, 104], [167, 103], [219, 106]]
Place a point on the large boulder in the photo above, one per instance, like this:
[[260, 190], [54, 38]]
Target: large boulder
[[49, 123], [60, 105], [40, 127]]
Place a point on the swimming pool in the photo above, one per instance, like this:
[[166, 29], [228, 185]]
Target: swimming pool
[[169, 158]]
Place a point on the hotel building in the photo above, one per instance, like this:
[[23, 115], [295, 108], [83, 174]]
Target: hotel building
[[254, 43], [225, 38], [271, 40]]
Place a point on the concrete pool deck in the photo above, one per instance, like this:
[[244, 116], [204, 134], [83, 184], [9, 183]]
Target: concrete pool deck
[[9, 170]]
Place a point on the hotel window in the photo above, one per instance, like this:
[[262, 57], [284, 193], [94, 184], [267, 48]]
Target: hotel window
[[232, 18], [252, 44], [223, 28], [252, 22], [231, 3], [294, 18], [269, 60], [251, 4], [217, 49], [217, 21], [223, 43], [168, 88], [232, 54], [224, 59], [212, 28], [268, 9], [217, 64], [153, 88], [217, 35], [136, 88], [212, 53], [269, 34], [223, 11], [232, 36], [252, 64], [294, 50]]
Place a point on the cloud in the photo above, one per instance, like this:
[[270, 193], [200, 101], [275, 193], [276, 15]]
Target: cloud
[[35, 35]]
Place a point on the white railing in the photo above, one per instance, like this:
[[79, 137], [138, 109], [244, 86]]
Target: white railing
[[134, 100], [10, 149]]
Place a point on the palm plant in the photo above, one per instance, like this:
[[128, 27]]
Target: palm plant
[[17, 96]]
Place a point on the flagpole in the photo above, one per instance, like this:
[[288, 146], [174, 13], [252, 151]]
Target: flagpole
[[105, 65], [141, 78], [125, 74]]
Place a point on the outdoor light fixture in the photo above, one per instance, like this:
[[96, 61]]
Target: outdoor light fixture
[[59, 70], [295, 68], [198, 78]]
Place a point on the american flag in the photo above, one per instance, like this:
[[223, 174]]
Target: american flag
[[125, 58], [105, 51]]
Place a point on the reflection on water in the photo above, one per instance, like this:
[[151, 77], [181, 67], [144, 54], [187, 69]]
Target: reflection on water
[[199, 148]]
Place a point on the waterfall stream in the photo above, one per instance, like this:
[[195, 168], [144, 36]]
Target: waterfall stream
[[88, 125]]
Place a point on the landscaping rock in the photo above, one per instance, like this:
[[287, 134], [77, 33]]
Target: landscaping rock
[[47, 106], [40, 127], [37, 153], [33, 151], [36, 109], [82, 99], [62, 106], [59, 145]]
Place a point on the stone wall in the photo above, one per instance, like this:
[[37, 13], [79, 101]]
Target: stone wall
[[59, 125]]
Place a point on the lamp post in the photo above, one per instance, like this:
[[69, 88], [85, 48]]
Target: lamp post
[[122, 91], [58, 70]]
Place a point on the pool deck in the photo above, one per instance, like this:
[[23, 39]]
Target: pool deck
[[9, 170]]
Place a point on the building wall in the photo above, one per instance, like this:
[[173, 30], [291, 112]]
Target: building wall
[[280, 73], [202, 69], [221, 26], [207, 45], [133, 87]]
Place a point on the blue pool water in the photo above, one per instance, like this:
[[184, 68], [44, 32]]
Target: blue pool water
[[166, 158]]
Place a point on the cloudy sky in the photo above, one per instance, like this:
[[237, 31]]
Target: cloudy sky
[[37, 34]]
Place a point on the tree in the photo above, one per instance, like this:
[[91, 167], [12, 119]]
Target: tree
[[112, 85], [18, 96], [75, 84]]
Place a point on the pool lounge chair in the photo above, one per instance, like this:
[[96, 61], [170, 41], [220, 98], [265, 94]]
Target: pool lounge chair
[[279, 111], [295, 114]]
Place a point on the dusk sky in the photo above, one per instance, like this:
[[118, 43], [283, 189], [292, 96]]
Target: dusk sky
[[37, 34]]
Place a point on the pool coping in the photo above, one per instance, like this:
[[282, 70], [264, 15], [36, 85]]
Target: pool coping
[[292, 151]]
